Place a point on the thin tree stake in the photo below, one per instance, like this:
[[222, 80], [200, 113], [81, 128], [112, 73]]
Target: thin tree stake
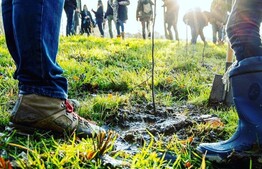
[[153, 58]]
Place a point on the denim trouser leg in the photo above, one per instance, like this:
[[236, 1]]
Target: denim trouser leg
[[32, 36], [110, 20], [120, 25], [118, 28], [243, 28], [100, 27], [70, 24]]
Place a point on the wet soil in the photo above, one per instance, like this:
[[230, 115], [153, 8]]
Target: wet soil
[[134, 125]]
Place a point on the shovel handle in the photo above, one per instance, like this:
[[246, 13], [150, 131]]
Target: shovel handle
[[230, 52]]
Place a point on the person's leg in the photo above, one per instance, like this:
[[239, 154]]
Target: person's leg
[[118, 28], [7, 10], [143, 24], [110, 20], [40, 75], [170, 31], [88, 30], [246, 81], [193, 35], [100, 27], [220, 34], [214, 33], [243, 28], [82, 28], [176, 31], [42, 104], [69, 15], [148, 26], [122, 26], [175, 25]]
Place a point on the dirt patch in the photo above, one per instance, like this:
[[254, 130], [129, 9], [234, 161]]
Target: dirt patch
[[135, 124]]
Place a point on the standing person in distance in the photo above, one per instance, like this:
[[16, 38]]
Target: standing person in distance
[[86, 21], [197, 20], [99, 14], [120, 16], [218, 19], [171, 17], [109, 16], [144, 13]]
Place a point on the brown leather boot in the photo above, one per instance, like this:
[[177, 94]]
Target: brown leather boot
[[33, 112]]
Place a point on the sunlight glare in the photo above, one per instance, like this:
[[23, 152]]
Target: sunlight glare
[[189, 4]]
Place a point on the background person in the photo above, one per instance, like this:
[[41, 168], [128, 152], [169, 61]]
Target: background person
[[144, 13], [121, 17], [197, 20], [109, 15], [76, 20], [218, 19], [99, 14], [171, 17], [86, 21]]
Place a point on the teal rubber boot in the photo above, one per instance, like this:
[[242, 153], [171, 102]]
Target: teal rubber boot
[[246, 82]]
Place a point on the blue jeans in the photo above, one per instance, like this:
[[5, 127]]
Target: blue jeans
[[243, 28], [120, 24], [32, 36], [99, 23], [69, 10], [110, 19]]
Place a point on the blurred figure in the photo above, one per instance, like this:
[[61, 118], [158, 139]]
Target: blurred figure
[[76, 20], [109, 15], [120, 16], [86, 21], [144, 13], [99, 14], [171, 17], [197, 20], [218, 20], [69, 7]]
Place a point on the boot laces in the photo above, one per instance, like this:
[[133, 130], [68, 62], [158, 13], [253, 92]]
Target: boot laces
[[70, 109]]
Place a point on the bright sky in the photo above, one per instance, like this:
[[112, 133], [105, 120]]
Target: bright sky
[[133, 26]]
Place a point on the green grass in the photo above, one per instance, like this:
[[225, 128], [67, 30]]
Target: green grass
[[105, 74]]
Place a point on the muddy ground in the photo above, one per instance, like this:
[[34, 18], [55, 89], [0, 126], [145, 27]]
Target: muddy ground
[[133, 125]]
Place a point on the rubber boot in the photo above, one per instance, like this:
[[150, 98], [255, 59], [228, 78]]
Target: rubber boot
[[246, 82]]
